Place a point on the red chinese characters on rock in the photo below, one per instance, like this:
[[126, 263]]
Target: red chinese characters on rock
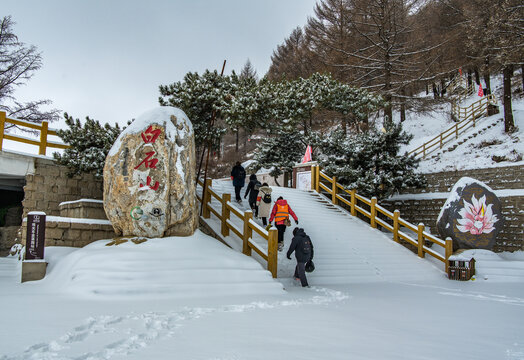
[[149, 136]]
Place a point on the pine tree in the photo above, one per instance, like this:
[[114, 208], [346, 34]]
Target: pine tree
[[248, 71], [280, 152], [89, 145], [369, 162]]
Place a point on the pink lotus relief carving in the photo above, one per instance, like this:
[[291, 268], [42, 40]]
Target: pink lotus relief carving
[[477, 218]]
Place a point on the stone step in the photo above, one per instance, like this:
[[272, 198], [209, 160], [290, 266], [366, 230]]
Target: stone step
[[83, 209]]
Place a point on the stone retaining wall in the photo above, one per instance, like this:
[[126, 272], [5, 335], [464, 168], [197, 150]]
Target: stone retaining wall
[[426, 211], [49, 186], [508, 177], [68, 232]]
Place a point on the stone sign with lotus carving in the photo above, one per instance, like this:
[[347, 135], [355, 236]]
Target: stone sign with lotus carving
[[471, 216]]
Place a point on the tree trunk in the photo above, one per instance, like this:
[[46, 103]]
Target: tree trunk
[[442, 87], [427, 89], [344, 125], [236, 144], [470, 79], [477, 76], [509, 124], [403, 106], [522, 73], [487, 76], [304, 124], [435, 91]]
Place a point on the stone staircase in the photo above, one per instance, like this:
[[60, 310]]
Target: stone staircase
[[464, 139]]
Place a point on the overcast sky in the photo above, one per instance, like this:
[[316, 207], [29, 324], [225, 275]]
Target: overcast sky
[[106, 58]]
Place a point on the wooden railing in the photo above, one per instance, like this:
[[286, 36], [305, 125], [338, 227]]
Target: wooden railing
[[44, 129], [379, 216], [468, 117], [249, 226]]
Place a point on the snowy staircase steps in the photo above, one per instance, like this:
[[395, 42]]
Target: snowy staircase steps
[[465, 139], [347, 250]]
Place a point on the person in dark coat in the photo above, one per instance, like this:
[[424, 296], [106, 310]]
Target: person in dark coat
[[238, 175], [303, 248], [252, 189]]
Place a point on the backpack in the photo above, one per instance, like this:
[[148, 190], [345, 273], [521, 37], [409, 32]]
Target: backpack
[[305, 245], [257, 186], [267, 198]]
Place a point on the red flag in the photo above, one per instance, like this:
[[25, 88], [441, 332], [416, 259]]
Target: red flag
[[481, 92], [307, 155], [460, 71]]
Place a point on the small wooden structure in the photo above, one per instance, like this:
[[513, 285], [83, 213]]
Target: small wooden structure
[[461, 268]]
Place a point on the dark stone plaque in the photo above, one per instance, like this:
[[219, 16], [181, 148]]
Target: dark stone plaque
[[471, 216], [35, 239]]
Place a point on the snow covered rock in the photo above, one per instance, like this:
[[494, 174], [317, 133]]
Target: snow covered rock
[[149, 177], [471, 216]]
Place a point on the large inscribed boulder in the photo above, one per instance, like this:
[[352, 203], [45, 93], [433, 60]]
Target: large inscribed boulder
[[149, 177], [471, 216]]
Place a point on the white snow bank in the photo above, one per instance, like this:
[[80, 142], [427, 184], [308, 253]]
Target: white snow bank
[[181, 267]]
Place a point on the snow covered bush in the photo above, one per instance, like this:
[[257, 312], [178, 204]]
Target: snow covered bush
[[89, 145]]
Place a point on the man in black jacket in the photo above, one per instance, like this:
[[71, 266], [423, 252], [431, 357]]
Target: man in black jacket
[[238, 175], [303, 248], [252, 191]]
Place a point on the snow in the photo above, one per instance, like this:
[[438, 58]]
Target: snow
[[156, 116], [195, 298], [479, 151], [80, 201]]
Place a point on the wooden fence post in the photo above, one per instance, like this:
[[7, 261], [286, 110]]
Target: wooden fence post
[[449, 251], [456, 130], [224, 229], [43, 138], [373, 212], [420, 240], [272, 251], [2, 127], [396, 215], [313, 170], [248, 215], [334, 191], [206, 199], [353, 202], [317, 179]]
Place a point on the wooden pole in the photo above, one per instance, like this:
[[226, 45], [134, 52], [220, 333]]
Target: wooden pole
[[317, 179], [206, 199], [353, 202], [43, 138], [449, 251], [396, 215], [334, 190], [420, 240], [2, 127], [373, 212], [248, 215], [272, 251], [225, 214]]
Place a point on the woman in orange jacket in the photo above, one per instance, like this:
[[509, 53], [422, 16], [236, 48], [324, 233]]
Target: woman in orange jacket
[[280, 213]]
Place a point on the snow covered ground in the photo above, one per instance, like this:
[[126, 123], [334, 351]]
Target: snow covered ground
[[194, 298]]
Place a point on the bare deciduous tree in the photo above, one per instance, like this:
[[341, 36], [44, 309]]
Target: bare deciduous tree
[[18, 63]]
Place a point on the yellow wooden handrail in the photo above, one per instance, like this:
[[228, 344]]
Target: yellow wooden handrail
[[469, 115], [249, 226], [395, 221], [43, 143]]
